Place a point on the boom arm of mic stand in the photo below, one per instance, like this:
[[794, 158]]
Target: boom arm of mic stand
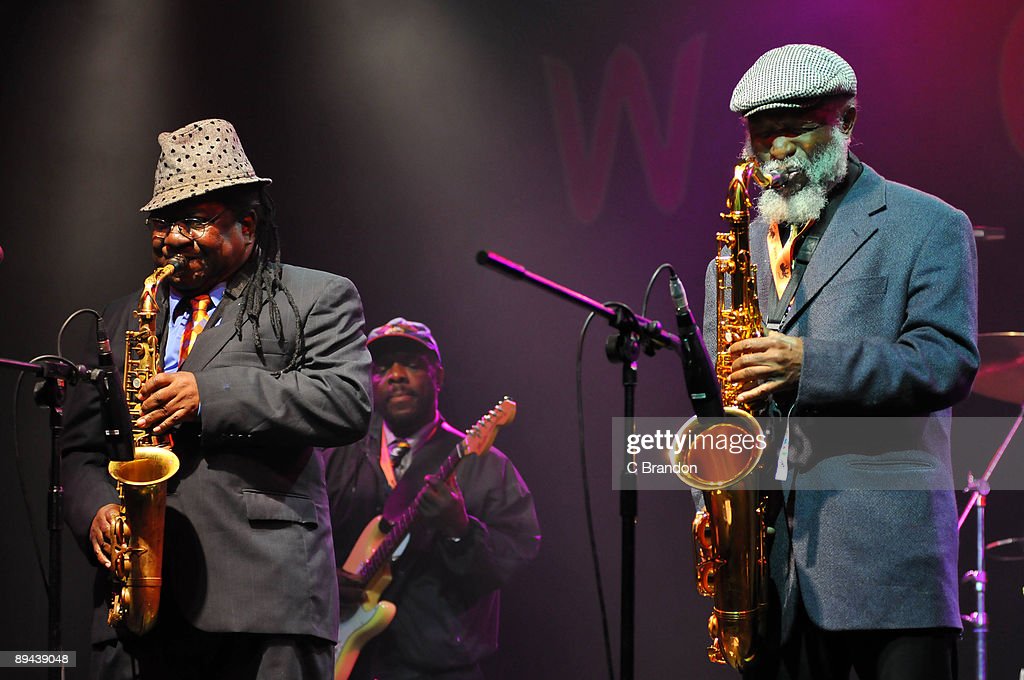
[[50, 367], [651, 333]]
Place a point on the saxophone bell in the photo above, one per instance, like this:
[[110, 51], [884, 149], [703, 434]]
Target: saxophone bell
[[138, 546]]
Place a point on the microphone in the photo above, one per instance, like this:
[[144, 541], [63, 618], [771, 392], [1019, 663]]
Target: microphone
[[117, 422], [698, 371]]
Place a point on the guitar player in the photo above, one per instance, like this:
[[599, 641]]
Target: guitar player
[[474, 530]]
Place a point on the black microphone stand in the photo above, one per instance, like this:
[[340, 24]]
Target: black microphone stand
[[54, 373], [634, 332]]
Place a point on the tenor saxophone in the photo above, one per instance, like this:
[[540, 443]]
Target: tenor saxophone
[[729, 533], [138, 529]]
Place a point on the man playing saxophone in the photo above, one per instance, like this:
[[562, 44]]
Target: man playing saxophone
[[868, 290], [261, 362]]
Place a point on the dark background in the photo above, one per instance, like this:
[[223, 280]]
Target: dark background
[[590, 141]]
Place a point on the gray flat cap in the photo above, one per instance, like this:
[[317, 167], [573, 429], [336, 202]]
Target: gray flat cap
[[789, 76]]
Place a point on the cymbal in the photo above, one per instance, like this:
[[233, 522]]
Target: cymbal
[[983, 233], [1001, 375], [1007, 550]]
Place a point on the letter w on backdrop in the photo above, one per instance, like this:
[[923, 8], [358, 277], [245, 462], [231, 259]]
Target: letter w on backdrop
[[664, 156]]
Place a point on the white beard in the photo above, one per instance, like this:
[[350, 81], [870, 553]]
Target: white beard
[[824, 172]]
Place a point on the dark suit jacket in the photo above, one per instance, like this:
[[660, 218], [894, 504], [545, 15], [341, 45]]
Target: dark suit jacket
[[887, 310], [248, 534]]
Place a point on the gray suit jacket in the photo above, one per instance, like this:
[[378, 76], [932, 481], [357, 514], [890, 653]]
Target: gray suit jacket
[[887, 309], [248, 534]]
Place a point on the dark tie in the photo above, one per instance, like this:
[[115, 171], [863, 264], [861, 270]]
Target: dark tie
[[399, 448]]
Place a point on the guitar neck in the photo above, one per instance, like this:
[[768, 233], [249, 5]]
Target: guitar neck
[[400, 527]]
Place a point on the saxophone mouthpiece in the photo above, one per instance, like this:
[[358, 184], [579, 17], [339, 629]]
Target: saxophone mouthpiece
[[178, 261], [765, 178], [778, 180], [773, 179]]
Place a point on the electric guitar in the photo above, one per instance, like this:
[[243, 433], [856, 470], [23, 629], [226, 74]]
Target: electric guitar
[[369, 562]]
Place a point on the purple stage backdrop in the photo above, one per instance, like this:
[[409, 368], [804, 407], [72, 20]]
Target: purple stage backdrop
[[589, 141]]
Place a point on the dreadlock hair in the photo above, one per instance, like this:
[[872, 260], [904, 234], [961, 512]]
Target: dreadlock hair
[[265, 261]]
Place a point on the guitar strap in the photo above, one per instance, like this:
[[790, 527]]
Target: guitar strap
[[425, 460], [385, 461]]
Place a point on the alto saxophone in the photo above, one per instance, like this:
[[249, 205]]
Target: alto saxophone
[[729, 533], [138, 529]]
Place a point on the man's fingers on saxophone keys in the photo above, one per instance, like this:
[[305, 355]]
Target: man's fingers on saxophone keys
[[99, 532], [155, 384], [760, 391], [755, 381], [739, 347], [774, 361], [173, 399], [170, 421], [101, 555], [752, 370]]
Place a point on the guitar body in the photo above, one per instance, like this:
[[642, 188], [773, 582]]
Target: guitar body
[[368, 620]]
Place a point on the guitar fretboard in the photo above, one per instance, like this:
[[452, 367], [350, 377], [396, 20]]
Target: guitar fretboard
[[400, 527]]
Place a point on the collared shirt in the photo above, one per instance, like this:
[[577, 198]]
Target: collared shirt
[[177, 320], [417, 439], [779, 306]]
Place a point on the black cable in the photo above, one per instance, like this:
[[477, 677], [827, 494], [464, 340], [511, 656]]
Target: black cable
[[650, 284], [586, 497], [63, 327]]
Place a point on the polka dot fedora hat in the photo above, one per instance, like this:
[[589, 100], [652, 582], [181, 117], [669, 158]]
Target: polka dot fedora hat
[[199, 158]]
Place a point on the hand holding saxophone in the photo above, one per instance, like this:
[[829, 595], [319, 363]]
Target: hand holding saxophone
[[100, 534], [169, 399], [766, 365]]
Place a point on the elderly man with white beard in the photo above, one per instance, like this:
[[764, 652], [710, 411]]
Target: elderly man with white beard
[[868, 290]]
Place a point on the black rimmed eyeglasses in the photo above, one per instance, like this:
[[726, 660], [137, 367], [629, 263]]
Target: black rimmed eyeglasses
[[190, 227]]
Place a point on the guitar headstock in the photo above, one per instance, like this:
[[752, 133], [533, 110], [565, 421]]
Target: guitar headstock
[[481, 436]]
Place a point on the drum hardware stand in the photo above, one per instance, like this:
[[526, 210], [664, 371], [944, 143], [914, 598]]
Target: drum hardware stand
[[980, 488]]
